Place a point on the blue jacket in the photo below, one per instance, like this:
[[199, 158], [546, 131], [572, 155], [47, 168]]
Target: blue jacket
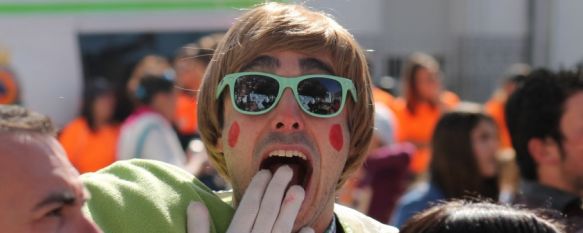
[[419, 198]]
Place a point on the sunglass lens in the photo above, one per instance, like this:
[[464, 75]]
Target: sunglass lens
[[255, 93], [320, 95]]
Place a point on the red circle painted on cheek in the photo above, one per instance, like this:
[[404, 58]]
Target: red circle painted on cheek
[[336, 137], [234, 134]]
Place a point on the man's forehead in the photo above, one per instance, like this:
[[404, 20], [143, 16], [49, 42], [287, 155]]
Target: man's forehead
[[32, 163], [32, 154], [574, 105], [306, 62]]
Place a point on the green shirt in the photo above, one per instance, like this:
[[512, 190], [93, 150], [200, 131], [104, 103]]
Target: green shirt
[[141, 196]]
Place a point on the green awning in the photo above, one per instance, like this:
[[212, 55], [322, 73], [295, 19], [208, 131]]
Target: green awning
[[80, 6]]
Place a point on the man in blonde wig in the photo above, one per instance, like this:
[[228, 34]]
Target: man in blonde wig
[[286, 115]]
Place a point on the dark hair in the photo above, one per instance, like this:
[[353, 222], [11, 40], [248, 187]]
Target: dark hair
[[479, 217], [454, 167], [96, 88], [16, 119], [535, 110], [150, 86]]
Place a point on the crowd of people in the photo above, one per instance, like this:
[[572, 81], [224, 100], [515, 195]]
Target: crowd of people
[[193, 154]]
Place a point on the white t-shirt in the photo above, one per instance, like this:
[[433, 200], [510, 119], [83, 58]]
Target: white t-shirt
[[148, 135]]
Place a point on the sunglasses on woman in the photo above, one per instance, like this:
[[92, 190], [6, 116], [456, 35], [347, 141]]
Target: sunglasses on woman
[[319, 95]]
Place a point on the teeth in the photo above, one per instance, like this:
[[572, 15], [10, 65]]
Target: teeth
[[287, 153]]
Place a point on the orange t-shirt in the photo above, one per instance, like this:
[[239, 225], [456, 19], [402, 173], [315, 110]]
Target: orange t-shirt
[[384, 97], [418, 128], [186, 114], [89, 151], [495, 108]]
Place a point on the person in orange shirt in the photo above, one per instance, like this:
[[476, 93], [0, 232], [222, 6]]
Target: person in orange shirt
[[515, 77], [91, 139], [384, 97], [190, 64], [421, 106]]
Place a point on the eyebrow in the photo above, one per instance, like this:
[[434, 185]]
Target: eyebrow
[[314, 64], [60, 198], [263, 62], [269, 62]]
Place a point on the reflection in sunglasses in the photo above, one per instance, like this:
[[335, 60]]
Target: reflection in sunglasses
[[318, 95]]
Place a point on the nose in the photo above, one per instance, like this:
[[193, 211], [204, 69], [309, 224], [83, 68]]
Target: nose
[[287, 114]]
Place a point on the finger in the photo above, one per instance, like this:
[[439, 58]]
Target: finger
[[197, 218], [272, 198], [289, 209], [307, 230], [249, 206]]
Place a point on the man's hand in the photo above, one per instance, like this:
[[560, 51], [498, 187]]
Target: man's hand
[[261, 209]]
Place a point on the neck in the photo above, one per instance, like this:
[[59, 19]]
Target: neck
[[553, 178], [323, 221], [100, 123]]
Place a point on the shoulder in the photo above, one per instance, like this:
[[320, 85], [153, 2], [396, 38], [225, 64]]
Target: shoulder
[[150, 118], [78, 124], [354, 221], [146, 121], [72, 131], [421, 193], [417, 199], [159, 192], [450, 98]]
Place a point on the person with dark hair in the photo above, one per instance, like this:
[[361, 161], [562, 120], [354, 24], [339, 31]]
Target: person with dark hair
[[464, 165], [148, 133], [91, 139], [148, 65], [545, 121], [39, 189], [479, 217], [423, 102], [514, 78]]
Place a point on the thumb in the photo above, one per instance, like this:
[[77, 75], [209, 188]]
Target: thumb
[[305, 230], [197, 218]]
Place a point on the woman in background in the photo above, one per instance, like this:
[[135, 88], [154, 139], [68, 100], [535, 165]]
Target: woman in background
[[464, 164], [423, 102], [91, 139], [147, 133]]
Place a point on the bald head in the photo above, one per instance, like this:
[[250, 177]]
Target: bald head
[[40, 190]]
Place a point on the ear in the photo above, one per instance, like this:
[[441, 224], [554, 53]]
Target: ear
[[544, 151]]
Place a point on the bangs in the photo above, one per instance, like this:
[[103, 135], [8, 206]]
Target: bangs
[[313, 33]]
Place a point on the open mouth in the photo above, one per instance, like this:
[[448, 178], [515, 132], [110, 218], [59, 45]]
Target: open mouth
[[296, 160]]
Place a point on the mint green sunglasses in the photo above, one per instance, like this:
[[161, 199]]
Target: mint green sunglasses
[[319, 95]]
